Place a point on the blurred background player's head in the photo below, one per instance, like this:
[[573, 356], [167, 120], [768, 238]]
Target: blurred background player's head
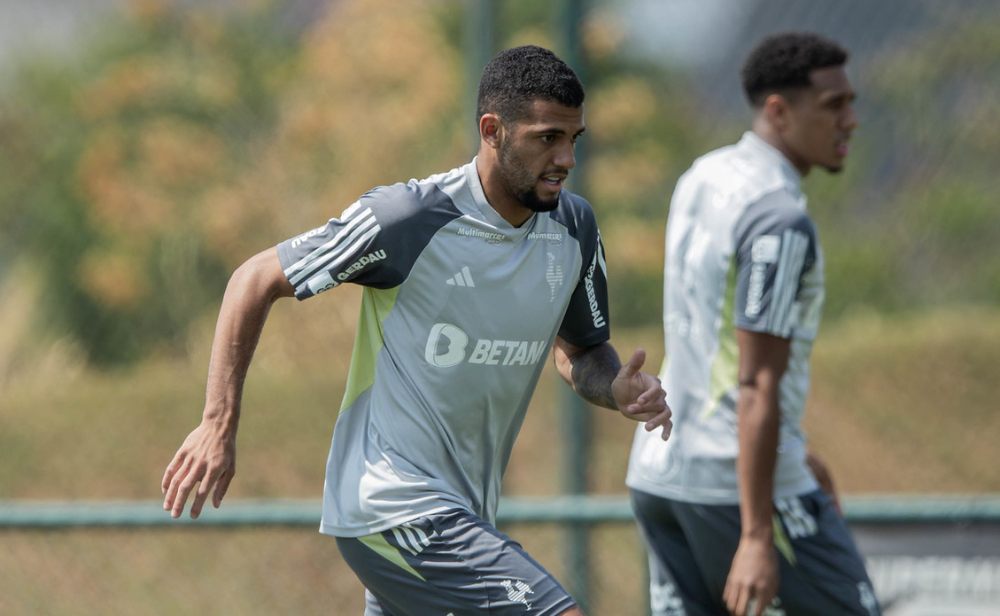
[[782, 64], [802, 98], [516, 77]]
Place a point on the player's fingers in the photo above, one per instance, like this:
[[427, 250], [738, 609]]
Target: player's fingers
[[742, 601], [172, 487], [762, 601], [654, 391], [223, 486], [204, 489], [168, 474], [184, 487], [630, 369], [662, 419], [731, 597]]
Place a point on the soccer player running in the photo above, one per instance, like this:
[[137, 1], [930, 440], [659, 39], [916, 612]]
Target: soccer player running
[[730, 508], [470, 277]]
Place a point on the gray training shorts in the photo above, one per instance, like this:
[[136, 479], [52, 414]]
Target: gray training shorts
[[451, 563], [691, 547]]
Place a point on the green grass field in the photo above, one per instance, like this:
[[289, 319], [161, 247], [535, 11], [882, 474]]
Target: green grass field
[[903, 405]]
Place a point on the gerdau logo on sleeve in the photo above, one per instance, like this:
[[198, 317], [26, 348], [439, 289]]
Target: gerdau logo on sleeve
[[360, 264], [447, 346]]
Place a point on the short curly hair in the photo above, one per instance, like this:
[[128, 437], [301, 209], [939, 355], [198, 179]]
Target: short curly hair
[[782, 62], [516, 77]]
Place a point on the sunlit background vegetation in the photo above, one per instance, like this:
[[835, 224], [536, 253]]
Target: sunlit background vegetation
[[174, 140]]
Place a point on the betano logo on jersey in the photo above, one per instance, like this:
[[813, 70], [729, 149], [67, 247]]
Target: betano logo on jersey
[[447, 346]]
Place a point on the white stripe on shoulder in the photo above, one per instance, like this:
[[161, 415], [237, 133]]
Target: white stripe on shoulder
[[339, 251], [350, 211], [790, 264], [333, 260], [600, 255], [364, 216]]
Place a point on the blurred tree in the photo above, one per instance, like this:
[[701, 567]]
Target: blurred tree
[[915, 223], [183, 141]]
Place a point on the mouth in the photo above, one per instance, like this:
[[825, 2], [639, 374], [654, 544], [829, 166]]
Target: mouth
[[554, 180], [842, 148]]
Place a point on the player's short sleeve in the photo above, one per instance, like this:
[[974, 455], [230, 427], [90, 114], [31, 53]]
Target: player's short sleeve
[[776, 245], [586, 320], [374, 242]]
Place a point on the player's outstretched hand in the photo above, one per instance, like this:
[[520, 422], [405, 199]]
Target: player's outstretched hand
[[641, 397], [207, 458]]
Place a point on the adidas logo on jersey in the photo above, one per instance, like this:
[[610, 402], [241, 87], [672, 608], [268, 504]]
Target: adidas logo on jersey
[[462, 279]]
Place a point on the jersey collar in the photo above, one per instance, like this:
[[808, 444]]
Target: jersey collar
[[763, 150], [484, 207]]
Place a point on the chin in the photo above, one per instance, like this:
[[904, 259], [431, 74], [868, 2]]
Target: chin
[[535, 203]]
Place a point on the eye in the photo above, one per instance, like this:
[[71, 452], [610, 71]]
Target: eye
[[548, 138]]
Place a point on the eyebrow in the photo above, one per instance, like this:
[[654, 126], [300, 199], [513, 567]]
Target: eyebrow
[[839, 95], [557, 131]]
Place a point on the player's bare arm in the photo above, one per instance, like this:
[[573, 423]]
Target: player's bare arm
[[753, 576], [598, 376], [208, 455]]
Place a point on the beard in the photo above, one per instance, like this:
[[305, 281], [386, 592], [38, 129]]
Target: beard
[[519, 182]]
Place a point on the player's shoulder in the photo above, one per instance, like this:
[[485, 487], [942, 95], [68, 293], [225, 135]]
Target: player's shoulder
[[774, 212], [406, 200], [738, 174]]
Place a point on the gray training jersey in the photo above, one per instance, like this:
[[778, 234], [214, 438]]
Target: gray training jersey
[[741, 252], [459, 311]]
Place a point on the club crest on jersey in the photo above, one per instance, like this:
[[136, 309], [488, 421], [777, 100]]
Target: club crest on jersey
[[554, 276], [517, 591]]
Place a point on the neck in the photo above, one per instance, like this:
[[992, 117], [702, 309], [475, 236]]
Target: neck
[[766, 131], [497, 195]]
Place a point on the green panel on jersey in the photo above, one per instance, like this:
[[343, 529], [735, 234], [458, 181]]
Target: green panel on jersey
[[781, 540], [376, 304], [382, 547], [725, 367]]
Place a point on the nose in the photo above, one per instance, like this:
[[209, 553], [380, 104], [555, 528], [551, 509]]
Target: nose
[[565, 157], [850, 121]]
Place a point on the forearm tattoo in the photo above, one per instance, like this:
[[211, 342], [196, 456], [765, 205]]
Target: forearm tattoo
[[593, 371]]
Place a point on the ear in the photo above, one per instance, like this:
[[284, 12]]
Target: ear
[[777, 110], [491, 130]]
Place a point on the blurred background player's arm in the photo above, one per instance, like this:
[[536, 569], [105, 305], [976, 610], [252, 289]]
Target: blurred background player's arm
[[208, 454], [753, 575]]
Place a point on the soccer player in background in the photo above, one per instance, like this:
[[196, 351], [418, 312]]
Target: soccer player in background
[[730, 507], [470, 277]]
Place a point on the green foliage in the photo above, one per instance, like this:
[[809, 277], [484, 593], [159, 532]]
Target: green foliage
[[110, 157], [178, 143]]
